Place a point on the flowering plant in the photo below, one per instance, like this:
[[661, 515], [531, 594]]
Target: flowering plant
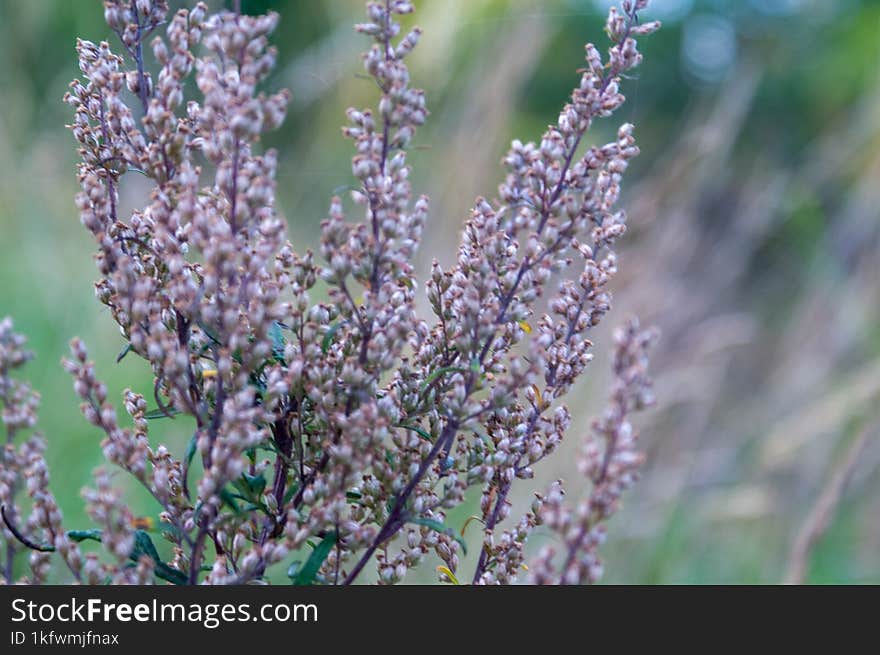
[[333, 427]]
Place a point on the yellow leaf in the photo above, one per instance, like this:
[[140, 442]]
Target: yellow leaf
[[209, 373], [473, 517], [525, 327], [538, 396], [142, 523], [449, 574]]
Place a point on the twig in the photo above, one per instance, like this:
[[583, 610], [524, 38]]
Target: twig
[[823, 511], [139, 61], [18, 535]]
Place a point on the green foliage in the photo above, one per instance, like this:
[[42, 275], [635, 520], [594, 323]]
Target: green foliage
[[306, 574]]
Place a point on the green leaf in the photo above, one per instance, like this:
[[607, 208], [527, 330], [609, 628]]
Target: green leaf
[[277, 341], [84, 535], [160, 413], [486, 441], [328, 337], [169, 573], [353, 497], [190, 451], [345, 187], [291, 492], [187, 459], [258, 383], [417, 430], [440, 371], [306, 575], [272, 447], [123, 352], [438, 526], [229, 498], [143, 545], [209, 332], [251, 486]]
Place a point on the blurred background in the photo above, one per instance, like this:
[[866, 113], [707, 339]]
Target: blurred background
[[753, 245]]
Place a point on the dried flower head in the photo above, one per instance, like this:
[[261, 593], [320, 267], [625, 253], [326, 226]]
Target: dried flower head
[[610, 461]]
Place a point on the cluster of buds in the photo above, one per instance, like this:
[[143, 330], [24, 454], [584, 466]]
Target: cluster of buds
[[610, 461], [557, 211], [338, 432], [23, 469], [191, 278]]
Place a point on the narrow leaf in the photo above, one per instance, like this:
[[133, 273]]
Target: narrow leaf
[[190, 450], [84, 535], [160, 413], [123, 353], [251, 486], [328, 337], [293, 569], [449, 574], [209, 332], [440, 371], [291, 492], [472, 517], [143, 545], [309, 570], [277, 341], [229, 498], [417, 430], [345, 187], [486, 441], [187, 461]]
